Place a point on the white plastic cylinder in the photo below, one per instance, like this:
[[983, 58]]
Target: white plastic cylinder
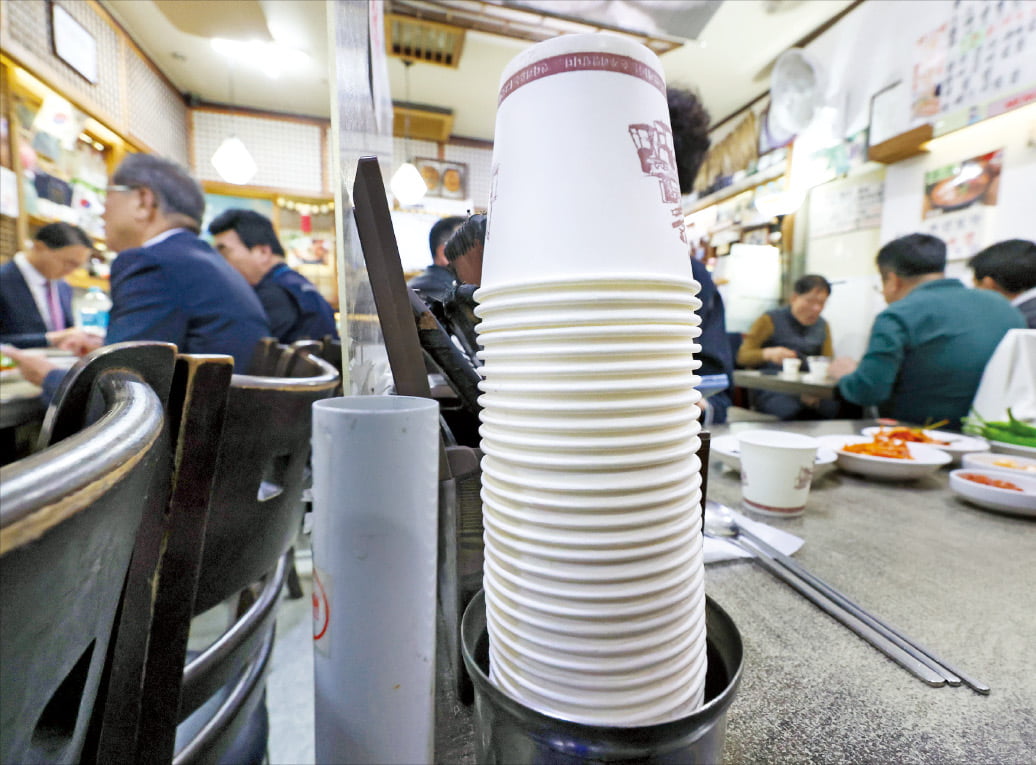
[[375, 487]]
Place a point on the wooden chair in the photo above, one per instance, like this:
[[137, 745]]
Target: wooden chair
[[69, 521], [254, 517]]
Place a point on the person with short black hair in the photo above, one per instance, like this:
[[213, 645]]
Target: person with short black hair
[[434, 284], [464, 250], [167, 285], [1009, 267], [929, 347], [795, 330], [295, 308], [35, 299]]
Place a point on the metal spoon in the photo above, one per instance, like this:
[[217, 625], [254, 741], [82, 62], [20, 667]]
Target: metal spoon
[[919, 660]]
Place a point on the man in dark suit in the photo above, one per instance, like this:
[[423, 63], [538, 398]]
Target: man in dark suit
[[296, 310], [1009, 268], [35, 301], [167, 284]]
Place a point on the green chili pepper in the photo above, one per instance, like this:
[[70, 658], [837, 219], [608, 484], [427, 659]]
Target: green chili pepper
[[1007, 436], [1021, 428]]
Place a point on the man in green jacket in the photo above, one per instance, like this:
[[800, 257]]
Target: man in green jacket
[[928, 348]]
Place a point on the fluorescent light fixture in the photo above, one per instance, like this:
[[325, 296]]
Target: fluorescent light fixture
[[408, 187], [234, 162], [273, 58]]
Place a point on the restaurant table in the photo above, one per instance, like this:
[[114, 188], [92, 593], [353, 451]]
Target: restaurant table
[[956, 578], [20, 402], [798, 385]]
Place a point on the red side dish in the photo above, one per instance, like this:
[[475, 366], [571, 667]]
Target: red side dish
[[987, 481]]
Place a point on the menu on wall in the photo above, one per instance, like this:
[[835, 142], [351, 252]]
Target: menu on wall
[[842, 207], [979, 63]]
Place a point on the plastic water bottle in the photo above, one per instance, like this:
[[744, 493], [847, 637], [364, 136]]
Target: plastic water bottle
[[93, 312]]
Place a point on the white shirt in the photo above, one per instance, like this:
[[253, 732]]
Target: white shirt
[[38, 286], [1024, 297], [163, 236]]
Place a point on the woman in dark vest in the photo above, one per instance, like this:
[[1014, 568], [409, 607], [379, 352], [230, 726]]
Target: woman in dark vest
[[792, 331]]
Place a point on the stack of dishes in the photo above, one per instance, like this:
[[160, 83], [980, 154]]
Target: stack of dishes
[[594, 575]]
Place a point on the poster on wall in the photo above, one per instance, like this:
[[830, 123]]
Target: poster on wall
[[846, 206], [444, 179], [974, 181], [979, 63], [965, 231]]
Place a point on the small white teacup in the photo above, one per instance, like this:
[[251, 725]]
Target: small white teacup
[[776, 471], [790, 367]]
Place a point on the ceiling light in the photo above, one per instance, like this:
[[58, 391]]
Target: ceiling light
[[234, 162], [407, 184]]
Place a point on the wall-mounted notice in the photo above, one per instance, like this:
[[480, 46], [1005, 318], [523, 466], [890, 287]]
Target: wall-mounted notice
[[975, 181], [844, 206], [979, 63], [965, 231]]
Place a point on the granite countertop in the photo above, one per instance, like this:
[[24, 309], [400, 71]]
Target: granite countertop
[[952, 576]]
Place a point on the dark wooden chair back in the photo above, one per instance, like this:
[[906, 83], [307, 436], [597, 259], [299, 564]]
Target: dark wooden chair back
[[254, 515], [69, 520]]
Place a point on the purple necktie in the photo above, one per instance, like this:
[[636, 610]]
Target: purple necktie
[[57, 316]]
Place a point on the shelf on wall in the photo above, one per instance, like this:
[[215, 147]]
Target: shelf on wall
[[745, 184], [902, 146]]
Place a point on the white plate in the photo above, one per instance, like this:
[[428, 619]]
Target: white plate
[[1009, 463], [956, 447], [990, 497], [926, 459], [727, 450], [1017, 449]]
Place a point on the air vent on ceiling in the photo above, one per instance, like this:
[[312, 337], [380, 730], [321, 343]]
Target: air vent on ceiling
[[426, 123], [418, 40]]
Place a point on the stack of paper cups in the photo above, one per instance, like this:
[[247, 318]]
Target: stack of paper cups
[[593, 567]]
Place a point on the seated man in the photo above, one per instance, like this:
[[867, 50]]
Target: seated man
[[793, 331], [433, 284], [1009, 268], [296, 310], [35, 300], [167, 285], [928, 348]]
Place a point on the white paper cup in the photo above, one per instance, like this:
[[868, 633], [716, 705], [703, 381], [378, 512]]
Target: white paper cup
[[627, 283], [589, 316], [790, 367], [776, 470], [818, 366], [621, 481], [680, 431], [582, 131], [520, 367], [588, 424], [636, 333]]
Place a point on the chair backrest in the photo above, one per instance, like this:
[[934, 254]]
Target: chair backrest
[[69, 519]]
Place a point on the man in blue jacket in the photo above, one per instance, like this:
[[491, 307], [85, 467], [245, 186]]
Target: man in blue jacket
[[167, 284], [295, 308], [928, 348]]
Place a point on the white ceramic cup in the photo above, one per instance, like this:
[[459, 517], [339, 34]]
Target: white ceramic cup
[[790, 367], [582, 131], [818, 368], [776, 470]]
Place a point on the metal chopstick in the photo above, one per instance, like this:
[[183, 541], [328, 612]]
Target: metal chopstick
[[953, 675], [906, 660]]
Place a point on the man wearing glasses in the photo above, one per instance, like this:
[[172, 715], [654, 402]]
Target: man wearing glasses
[[167, 284]]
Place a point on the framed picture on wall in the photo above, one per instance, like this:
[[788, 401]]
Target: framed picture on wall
[[443, 178], [72, 43]]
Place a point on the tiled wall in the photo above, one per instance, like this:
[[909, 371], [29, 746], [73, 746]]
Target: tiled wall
[[477, 159], [288, 153], [152, 113]]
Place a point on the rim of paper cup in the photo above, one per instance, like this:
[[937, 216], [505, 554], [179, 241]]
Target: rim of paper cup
[[591, 333], [590, 618], [593, 592], [624, 299], [597, 42], [558, 408], [682, 380], [598, 460], [568, 527], [524, 367], [604, 316], [588, 424], [620, 281], [668, 535], [600, 628], [580, 353], [634, 438], [778, 438], [593, 572], [594, 482]]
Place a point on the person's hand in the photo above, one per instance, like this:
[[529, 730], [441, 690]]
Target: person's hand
[[75, 340], [841, 367], [811, 401], [778, 353], [32, 366]]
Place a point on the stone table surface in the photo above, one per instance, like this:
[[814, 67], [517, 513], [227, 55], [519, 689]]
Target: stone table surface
[[957, 578], [798, 384]]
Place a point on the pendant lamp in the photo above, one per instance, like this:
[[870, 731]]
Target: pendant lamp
[[408, 187]]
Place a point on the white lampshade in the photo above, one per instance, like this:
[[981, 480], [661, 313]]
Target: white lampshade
[[407, 184], [234, 162]]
